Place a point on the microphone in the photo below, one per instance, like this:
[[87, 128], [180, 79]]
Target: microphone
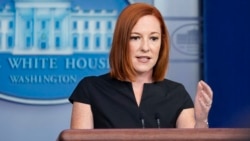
[[158, 121], [142, 120]]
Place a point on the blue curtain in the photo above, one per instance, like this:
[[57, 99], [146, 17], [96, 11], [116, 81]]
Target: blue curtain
[[227, 61]]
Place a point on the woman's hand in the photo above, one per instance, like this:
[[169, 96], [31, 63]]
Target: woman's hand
[[202, 104]]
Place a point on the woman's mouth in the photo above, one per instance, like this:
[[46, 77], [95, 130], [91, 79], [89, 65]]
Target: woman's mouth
[[143, 59]]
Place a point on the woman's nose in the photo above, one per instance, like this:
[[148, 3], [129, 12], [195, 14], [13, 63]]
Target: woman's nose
[[145, 46]]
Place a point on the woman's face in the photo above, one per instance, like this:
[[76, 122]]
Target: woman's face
[[145, 43]]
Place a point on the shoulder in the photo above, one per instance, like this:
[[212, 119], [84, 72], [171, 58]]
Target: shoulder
[[177, 91], [170, 84], [96, 80], [171, 87]]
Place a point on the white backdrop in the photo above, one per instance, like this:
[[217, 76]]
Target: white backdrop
[[38, 123]]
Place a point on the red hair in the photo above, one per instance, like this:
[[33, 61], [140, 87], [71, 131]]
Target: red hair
[[119, 59]]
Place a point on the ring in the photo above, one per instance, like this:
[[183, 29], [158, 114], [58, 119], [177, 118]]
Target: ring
[[208, 104]]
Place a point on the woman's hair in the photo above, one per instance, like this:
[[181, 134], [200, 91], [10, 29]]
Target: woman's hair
[[119, 59]]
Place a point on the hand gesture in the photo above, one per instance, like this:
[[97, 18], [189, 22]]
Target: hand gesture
[[203, 102]]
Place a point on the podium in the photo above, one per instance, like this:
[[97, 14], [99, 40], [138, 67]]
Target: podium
[[201, 134]]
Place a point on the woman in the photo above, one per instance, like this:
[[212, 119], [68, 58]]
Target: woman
[[135, 94]]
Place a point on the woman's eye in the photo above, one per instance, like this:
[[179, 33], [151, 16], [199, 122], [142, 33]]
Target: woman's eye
[[134, 37], [154, 38]]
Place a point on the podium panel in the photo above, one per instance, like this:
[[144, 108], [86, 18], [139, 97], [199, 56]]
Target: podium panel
[[211, 134]]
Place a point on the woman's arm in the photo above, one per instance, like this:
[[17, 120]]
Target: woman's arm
[[81, 117], [186, 119], [197, 117]]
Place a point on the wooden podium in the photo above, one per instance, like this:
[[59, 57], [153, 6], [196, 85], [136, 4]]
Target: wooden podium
[[211, 134]]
